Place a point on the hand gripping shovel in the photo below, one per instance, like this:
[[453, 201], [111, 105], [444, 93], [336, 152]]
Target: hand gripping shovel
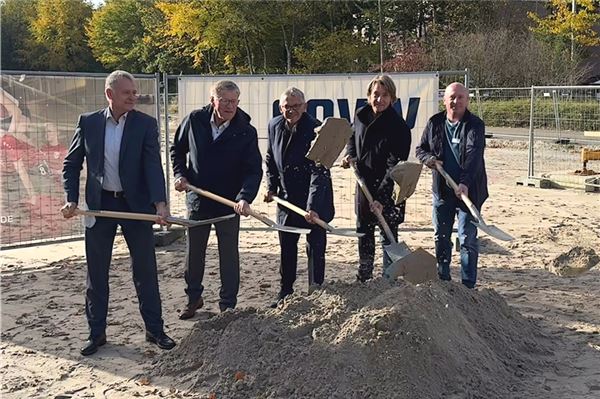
[[254, 214], [480, 223], [330, 229], [395, 250]]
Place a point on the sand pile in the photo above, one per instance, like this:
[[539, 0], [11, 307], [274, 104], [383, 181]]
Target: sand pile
[[373, 340], [576, 261]]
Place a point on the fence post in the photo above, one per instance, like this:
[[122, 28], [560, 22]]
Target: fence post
[[165, 84], [530, 155]]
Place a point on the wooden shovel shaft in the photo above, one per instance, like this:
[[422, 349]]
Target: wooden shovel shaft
[[119, 215], [302, 212], [228, 202], [135, 216], [466, 200], [378, 214]]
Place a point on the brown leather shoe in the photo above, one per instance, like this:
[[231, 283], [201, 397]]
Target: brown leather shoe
[[190, 309]]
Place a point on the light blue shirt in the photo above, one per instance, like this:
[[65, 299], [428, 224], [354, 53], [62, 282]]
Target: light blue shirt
[[217, 130], [112, 149]]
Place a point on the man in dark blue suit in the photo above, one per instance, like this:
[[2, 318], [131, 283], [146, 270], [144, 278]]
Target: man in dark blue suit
[[124, 173], [295, 178]]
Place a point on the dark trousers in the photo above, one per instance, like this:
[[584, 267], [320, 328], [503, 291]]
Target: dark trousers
[[366, 243], [99, 241], [444, 211], [316, 242], [229, 260]]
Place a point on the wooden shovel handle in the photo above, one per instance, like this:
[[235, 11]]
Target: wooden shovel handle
[[466, 200], [365, 190], [228, 202], [119, 215], [301, 212], [134, 216]]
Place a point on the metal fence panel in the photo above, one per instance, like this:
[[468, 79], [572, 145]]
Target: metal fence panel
[[563, 121], [38, 114]]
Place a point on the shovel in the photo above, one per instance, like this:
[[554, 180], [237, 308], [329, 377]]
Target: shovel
[[329, 228], [254, 214], [480, 223], [145, 216], [395, 250]]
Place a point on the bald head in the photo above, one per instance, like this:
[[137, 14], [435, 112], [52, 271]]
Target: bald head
[[456, 100]]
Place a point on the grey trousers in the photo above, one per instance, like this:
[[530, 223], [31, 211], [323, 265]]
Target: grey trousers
[[229, 260]]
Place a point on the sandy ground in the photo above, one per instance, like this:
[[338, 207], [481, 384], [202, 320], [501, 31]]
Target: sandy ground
[[43, 320]]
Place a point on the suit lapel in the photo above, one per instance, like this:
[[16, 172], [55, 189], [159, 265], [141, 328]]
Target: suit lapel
[[102, 137], [126, 135]]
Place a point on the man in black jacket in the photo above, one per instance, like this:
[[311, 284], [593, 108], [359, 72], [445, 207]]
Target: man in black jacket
[[381, 138], [297, 179], [216, 149], [455, 138]]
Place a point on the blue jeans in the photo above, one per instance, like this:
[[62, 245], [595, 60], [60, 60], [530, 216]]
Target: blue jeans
[[444, 210]]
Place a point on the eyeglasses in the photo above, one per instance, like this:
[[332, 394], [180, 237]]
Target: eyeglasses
[[226, 102], [289, 107]]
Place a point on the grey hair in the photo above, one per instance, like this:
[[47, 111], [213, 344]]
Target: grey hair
[[115, 76], [223, 85], [292, 92]]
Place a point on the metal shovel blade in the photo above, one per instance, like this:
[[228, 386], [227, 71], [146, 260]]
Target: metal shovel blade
[[279, 227], [397, 250], [489, 229], [417, 267], [210, 221], [493, 231], [345, 232], [289, 229]]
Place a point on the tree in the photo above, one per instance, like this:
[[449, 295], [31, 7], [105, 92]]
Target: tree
[[505, 58], [16, 17], [128, 34], [567, 25], [340, 51], [56, 29]]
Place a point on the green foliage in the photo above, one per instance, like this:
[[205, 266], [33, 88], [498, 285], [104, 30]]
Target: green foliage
[[515, 113], [275, 36], [340, 51], [116, 34], [563, 23], [15, 34], [58, 40]]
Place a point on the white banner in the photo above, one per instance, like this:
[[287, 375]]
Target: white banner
[[327, 95]]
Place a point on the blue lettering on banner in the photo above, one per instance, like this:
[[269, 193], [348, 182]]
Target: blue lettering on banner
[[326, 106]]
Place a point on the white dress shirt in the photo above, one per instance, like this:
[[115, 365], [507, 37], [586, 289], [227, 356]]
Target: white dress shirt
[[112, 149]]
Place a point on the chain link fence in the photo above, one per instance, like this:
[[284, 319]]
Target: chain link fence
[[560, 123]]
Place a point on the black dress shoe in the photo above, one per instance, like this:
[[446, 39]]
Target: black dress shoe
[[162, 340], [92, 344], [190, 309]]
